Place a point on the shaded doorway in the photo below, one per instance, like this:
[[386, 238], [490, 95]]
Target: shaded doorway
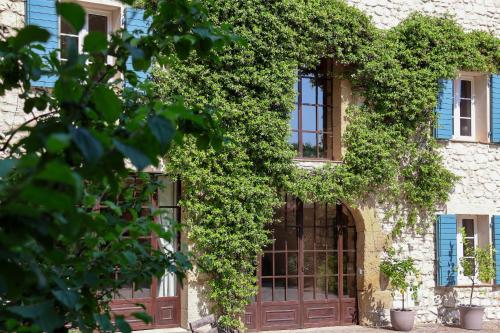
[[307, 276], [160, 299]]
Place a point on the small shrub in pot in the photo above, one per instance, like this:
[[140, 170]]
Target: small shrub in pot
[[402, 275], [478, 265]]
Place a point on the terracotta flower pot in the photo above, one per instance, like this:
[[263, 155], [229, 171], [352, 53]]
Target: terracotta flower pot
[[471, 317], [402, 320]]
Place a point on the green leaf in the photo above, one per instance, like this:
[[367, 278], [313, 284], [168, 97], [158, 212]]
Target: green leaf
[[42, 314], [89, 146], [104, 322], [73, 13], [57, 172], [6, 166], [122, 324], [162, 129], [67, 297], [138, 159], [143, 316], [107, 103], [57, 142], [131, 257], [30, 34], [95, 41]]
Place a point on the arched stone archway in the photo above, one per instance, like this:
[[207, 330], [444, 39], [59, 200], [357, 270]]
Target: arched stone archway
[[373, 301]]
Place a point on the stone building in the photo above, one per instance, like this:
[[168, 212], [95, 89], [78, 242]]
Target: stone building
[[315, 277]]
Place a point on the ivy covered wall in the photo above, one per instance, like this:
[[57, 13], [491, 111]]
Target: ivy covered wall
[[230, 194]]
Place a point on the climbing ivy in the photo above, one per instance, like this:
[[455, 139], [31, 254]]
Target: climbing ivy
[[230, 194]]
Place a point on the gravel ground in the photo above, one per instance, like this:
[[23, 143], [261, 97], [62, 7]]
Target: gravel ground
[[488, 327]]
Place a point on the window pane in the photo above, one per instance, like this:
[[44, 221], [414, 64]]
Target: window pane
[[280, 237], [468, 225], [309, 145], [267, 264], [465, 108], [308, 288], [349, 262], [465, 89], [294, 120], [308, 91], [333, 265], [291, 241], [321, 287], [267, 289], [292, 293], [321, 91], [308, 263], [465, 127], [67, 28], [69, 44], [333, 287], [349, 286], [320, 263], [322, 145], [292, 264], [279, 264], [98, 23], [309, 118], [279, 289]]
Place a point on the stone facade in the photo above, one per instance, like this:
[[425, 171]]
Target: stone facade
[[11, 107], [471, 14], [476, 193]]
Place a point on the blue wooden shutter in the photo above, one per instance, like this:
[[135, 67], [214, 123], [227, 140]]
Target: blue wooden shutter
[[446, 250], [444, 111], [495, 225], [136, 25], [43, 14], [495, 108]]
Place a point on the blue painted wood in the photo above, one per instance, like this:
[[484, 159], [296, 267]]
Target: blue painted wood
[[495, 225], [444, 111], [495, 108], [43, 14], [446, 250], [136, 25]]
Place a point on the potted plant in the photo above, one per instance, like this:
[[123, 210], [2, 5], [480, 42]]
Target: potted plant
[[402, 275], [478, 265]]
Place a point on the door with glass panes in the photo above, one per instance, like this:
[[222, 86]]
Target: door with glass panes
[[307, 276], [160, 298]]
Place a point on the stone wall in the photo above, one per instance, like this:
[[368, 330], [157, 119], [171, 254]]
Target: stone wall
[[471, 14], [11, 107]]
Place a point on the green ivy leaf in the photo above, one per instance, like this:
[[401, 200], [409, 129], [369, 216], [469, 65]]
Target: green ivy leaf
[[122, 324], [73, 13], [30, 34], [162, 129], [138, 159], [42, 314], [107, 103], [143, 316], [57, 142], [95, 41], [67, 297], [89, 146]]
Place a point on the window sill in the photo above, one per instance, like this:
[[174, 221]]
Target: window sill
[[463, 286], [470, 141], [318, 160]]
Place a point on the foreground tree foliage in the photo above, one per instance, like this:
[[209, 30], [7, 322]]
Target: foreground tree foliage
[[391, 156], [58, 252]]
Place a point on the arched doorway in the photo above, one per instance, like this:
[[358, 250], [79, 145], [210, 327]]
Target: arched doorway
[[307, 276]]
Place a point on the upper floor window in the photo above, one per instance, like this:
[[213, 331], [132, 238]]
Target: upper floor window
[[470, 110], [98, 18], [312, 118]]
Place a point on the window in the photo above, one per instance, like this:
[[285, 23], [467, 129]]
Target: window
[[476, 234], [98, 18], [470, 114], [311, 122]]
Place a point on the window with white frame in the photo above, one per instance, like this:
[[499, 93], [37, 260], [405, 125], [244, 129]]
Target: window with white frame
[[476, 234], [470, 111], [98, 18]]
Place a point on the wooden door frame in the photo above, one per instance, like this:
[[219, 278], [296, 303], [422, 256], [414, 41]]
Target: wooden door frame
[[256, 309]]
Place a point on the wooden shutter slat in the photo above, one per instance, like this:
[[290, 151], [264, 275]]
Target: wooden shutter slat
[[43, 14], [496, 245], [446, 250], [444, 111], [495, 107]]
